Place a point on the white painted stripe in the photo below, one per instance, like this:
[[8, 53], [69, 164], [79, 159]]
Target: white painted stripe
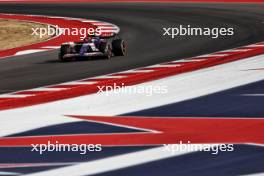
[[70, 18], [105, 25], [99, 23], [257, 174], [189, 60], [79, 83], [21, 165], [167, 65], [137, 71], [15, 95], [112, 163], [213, 55], [259, 145], [89, 21], [29, 51], [109, 31], [253, 95], [108, 28], [235, 50], [9, 173], [255, 45], [47, 89], [53, 16], [108, 77], [51, 47], [143, 71]]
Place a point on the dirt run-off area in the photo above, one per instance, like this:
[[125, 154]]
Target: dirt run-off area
[[14, 33]]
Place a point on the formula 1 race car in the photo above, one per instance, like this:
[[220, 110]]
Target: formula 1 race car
[[93, 46]]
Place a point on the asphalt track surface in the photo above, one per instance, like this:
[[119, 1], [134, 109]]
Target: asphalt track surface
[[141, 26]]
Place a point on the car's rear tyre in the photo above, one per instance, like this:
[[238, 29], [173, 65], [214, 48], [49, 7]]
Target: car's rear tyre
[[119, 47]]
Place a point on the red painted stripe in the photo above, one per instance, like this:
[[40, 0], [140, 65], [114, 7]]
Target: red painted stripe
[[170, 131], [5, 99]]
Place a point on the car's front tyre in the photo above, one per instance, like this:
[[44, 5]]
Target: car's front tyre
[[106, 49], [65, 49]]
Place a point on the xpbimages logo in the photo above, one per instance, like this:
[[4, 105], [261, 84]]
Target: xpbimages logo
[[211, 148], [188, 30], [137, 89], [58, 147], [56, 31]]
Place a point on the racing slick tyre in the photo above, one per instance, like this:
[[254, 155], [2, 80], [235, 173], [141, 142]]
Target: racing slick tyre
[[106, 49], [64, 50], [119, 47]]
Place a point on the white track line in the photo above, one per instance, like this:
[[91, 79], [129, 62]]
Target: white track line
[[257, 174], [15, 95], [189, 60], [108, 77], [89, 21], [109, 30], [9, 173], [213, 55], [47, 89], [255, 45], [79, 83], [51, 47], [235, 50], [30, 51], [112, 163], [164, 65], [22, 165], [137, 71], [253, 95]]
